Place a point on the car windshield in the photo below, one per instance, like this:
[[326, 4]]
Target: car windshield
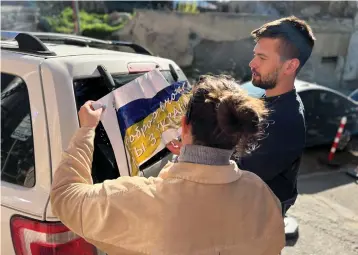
[[252, 90]]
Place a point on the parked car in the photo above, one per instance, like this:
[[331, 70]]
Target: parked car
[[324, 109], [45, 79]]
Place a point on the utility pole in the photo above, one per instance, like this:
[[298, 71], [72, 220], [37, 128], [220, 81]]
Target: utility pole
[[76, 17]]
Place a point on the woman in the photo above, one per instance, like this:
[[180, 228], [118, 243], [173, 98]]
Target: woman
[[202, 204]]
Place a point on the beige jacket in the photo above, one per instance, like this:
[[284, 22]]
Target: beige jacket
[[189, 209]]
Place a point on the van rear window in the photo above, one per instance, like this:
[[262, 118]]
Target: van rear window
[[104, 164]]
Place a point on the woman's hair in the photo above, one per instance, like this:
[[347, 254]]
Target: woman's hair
[[222, 115]]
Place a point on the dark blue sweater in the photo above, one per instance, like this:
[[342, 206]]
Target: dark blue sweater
[[281, 147]]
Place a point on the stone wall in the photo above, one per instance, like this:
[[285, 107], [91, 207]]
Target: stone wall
[[220, 42]]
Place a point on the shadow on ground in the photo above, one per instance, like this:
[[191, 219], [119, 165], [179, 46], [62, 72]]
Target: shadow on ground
[[319, 183], [314, 164], [316, 160]]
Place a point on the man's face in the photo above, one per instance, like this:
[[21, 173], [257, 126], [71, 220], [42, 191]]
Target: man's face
[[266, 64]]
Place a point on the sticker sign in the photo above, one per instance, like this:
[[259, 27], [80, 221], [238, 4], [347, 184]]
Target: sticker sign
[[23, 131]]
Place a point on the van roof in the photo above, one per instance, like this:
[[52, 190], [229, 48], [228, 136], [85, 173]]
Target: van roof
[[63, 50]]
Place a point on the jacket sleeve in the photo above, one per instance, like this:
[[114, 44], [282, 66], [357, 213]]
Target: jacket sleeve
[[72, 181], [87, 208]]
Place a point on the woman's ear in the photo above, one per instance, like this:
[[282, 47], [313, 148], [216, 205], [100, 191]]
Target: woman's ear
[[185, 131], [184, 125]]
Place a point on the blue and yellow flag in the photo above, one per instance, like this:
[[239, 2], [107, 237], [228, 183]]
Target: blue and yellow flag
[[149, 111]]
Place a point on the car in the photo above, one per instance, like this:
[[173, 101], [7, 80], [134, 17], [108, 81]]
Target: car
[[324, 109], [45, 79]]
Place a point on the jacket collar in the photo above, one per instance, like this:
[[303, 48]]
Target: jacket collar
[[199, 173], [205, 155]]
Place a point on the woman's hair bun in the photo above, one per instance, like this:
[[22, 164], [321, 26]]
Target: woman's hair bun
[[237, 115]]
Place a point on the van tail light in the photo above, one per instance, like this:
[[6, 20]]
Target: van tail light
[[31, 237]]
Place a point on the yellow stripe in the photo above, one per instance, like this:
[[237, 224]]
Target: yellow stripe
[[143, 138]]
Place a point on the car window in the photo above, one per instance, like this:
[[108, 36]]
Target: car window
[[330, 103], [252, 90], [17, 146], [126, 78]]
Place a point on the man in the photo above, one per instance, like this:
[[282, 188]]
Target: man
[[282, 48]]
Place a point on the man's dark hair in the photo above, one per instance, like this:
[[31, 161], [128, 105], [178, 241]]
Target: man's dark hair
[[296, 36]]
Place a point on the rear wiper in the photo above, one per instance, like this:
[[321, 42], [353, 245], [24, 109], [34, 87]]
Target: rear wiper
[[107, 77], [173, 72]]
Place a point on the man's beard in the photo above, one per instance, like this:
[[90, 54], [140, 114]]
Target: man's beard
[[268, 82]]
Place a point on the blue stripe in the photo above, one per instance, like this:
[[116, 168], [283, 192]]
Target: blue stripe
[[137, 110]]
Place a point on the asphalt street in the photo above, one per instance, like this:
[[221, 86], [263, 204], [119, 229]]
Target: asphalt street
[[327, 207]]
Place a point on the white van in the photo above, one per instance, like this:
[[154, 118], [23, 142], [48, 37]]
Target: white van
[[45, 78]]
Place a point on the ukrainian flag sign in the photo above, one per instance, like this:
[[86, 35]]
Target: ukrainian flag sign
[[149, 111]]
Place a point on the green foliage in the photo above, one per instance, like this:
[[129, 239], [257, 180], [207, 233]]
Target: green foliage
[[91, 23]]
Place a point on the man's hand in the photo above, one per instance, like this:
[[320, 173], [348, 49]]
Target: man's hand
[[174, 146], [88, 116]]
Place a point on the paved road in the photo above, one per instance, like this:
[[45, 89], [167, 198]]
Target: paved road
[[327, 213]]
